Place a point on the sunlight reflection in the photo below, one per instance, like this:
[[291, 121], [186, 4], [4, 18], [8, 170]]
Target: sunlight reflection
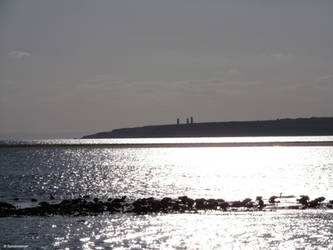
[[213, 230], [234, 172], [217, 172]]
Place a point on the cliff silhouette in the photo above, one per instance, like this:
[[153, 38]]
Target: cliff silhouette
[[280, 127]]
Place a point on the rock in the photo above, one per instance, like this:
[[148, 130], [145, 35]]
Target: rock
[[224, 205], [150, 205], [272, 199], [320, 199], [187, 202], [316, 202], [94, 207], [5, 205], [167, 204], [166, 200], [51, 197], [139, 206], [303, 200], [65, 203], [247, 203], [293, 207], [155, 206], [77, 200], [211, 204], [236, 204], [261, 203], [199, 203], [313, 204], [43, 204]]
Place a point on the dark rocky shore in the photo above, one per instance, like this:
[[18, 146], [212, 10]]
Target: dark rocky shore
[[85, 206]]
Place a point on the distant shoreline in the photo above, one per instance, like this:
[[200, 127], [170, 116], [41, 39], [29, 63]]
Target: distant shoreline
[[280, 127], [176, 145]]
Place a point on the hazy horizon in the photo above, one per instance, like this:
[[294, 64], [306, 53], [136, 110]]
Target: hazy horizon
[[68, 69]]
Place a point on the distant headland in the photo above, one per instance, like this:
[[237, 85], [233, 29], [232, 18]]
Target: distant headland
[[280, 127]]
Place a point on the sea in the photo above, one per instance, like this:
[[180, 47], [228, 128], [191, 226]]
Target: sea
[[231, 168]]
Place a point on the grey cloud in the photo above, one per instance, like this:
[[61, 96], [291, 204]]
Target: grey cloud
[[325, 81], [281, 56], [18, 54], [323, 78], [234, 71]]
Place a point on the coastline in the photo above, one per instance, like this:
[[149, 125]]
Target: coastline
[[314, 126], [176, 145]]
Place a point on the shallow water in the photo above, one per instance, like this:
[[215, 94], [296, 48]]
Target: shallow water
[[231, 173]]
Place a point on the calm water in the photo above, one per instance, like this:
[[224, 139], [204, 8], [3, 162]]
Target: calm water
[[231, 173]]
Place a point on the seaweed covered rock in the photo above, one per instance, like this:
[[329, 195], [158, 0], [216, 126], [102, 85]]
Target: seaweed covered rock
[[316, 202], [303, 200], [182, 204], [5, 205]]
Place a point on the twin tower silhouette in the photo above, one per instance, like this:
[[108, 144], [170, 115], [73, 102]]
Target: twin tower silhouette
[[188, 120]]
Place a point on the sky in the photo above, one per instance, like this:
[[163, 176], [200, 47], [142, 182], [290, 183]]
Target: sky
[[71, 68]]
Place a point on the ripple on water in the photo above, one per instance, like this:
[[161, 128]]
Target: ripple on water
[[274, 230], [229, 173]]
